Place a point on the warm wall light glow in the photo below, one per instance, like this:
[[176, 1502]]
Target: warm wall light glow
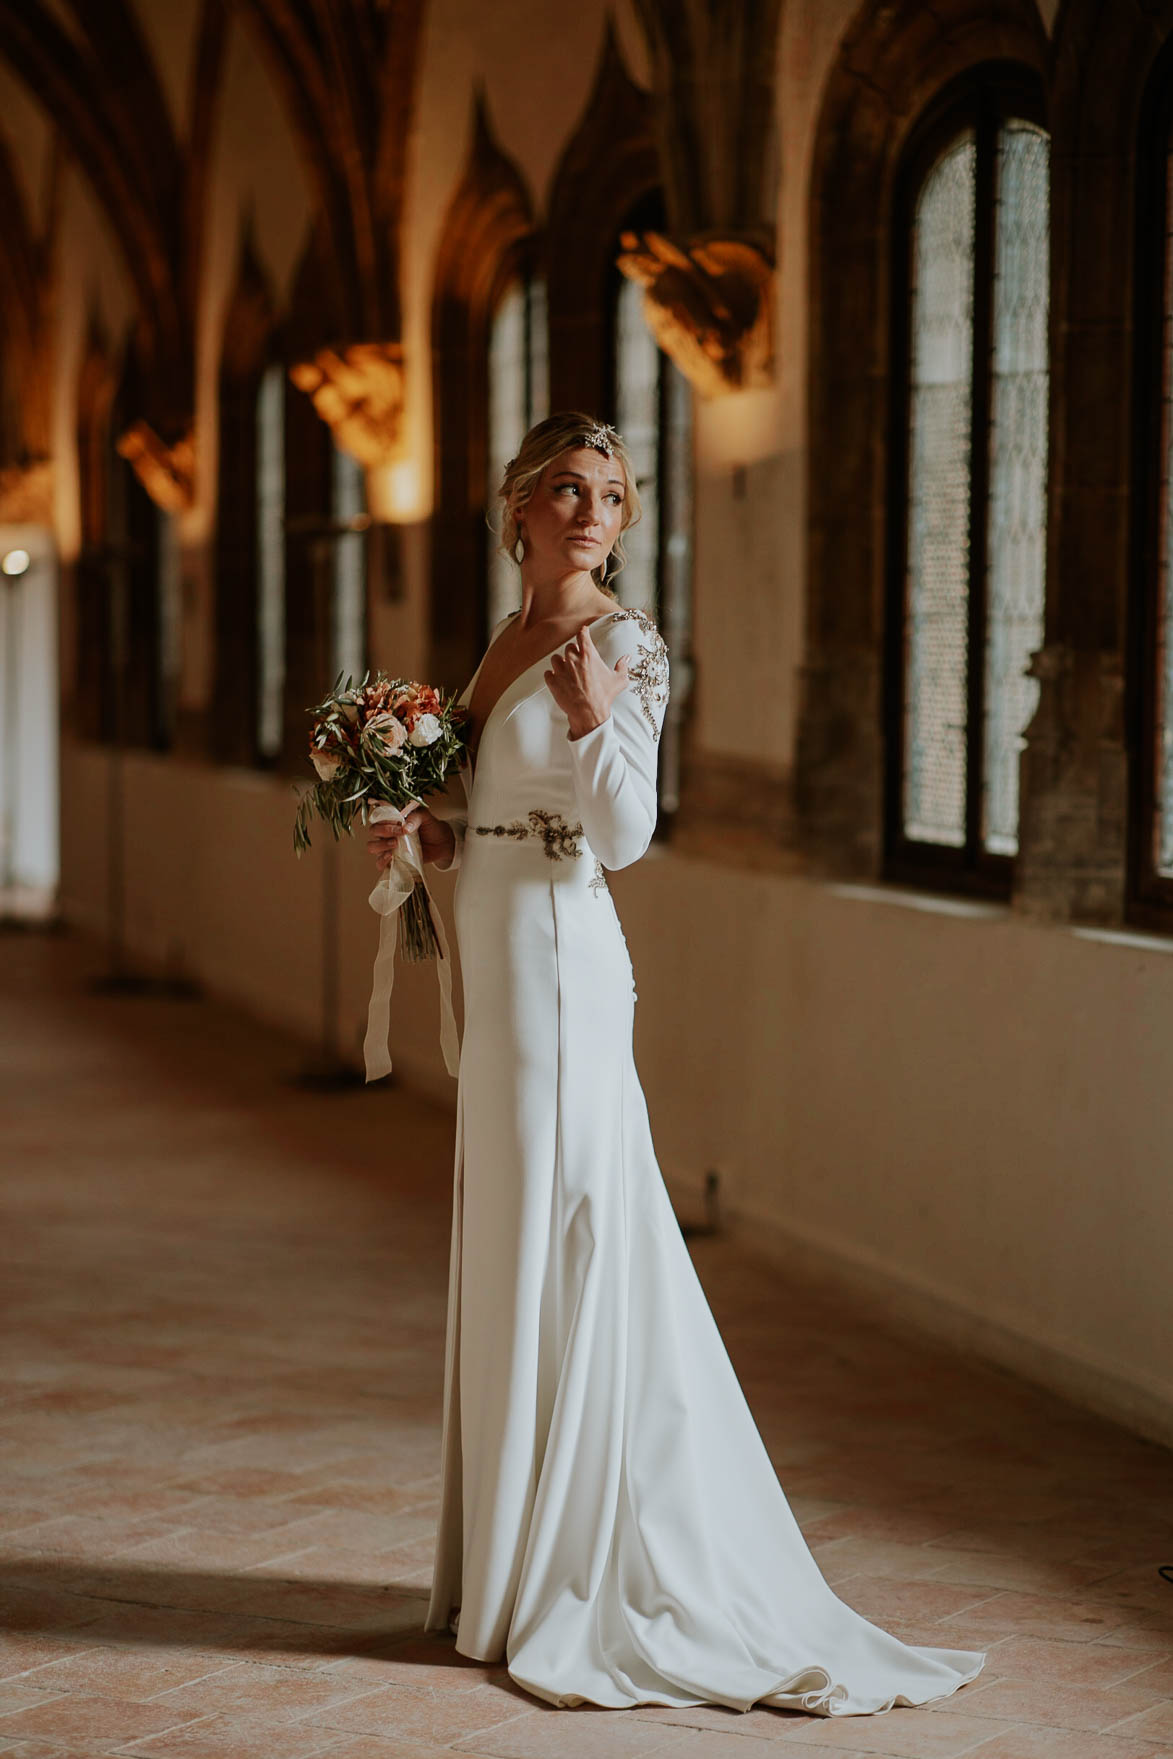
[[393, 492], [739, 428], [16, 562]]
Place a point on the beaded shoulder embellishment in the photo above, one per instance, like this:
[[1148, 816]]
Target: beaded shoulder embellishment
[[649, 673]]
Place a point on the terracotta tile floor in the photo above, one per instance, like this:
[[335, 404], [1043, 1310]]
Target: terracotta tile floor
[[219, 1439]]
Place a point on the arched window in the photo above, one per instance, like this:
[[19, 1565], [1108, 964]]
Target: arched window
[[325, 537], [969, 473], [518, 396], [291, 543]]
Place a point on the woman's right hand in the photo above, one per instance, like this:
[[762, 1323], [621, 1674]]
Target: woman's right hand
[[437, 841]]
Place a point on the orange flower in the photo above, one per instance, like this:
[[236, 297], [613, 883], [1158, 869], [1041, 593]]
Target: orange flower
[[423, 700]]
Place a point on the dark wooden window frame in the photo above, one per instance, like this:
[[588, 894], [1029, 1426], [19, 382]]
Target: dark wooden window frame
[[981, 99], [1149, 900]]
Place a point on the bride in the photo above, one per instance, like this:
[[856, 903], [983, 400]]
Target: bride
[[610, 1522]]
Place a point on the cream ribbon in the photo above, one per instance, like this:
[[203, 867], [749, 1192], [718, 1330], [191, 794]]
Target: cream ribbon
[[392, 890]]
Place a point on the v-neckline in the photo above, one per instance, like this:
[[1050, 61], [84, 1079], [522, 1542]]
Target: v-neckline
[[514, 682]]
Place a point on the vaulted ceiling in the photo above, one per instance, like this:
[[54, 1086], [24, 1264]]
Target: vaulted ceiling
[[346, 74]]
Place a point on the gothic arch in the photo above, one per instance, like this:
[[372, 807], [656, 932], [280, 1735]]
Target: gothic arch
[[609, 164], [347, 74], [99, 85], [893, 62], [488, 235]]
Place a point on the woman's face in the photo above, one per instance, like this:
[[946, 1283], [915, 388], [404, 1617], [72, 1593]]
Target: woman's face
[[575, 514]]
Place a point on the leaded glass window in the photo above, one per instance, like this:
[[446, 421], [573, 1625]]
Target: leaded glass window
[[940, 423], [519, 396], [270, 529], [968, 586], [348, 600], [637, 413]]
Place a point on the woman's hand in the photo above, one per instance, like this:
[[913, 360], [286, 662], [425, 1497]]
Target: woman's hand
[[437, 841], [583, 684]]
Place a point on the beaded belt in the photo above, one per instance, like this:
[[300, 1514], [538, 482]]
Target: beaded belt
[[558, 837]]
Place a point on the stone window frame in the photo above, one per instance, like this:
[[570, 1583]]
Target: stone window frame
[[1150, 894], [1079, 770], [981, 98]]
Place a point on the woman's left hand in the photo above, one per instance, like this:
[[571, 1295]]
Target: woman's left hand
[[582, 683]]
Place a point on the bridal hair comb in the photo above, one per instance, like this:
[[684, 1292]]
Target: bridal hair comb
[[601, 437]]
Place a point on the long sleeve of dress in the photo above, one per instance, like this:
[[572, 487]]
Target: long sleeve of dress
[[458, 827], [614, 765], [451, 805]]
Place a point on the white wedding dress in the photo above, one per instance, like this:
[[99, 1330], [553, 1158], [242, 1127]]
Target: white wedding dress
[[611, 1525]]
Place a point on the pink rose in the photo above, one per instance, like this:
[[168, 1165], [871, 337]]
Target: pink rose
[[327, 764], [388, 731]]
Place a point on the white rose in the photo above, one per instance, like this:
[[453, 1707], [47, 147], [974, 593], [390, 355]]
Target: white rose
[[327, 764], [426, 730]]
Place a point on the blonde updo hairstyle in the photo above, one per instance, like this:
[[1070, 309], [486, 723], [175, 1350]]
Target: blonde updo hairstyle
[[545, 442]]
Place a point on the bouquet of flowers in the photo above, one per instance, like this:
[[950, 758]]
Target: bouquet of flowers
[[387, 742]]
